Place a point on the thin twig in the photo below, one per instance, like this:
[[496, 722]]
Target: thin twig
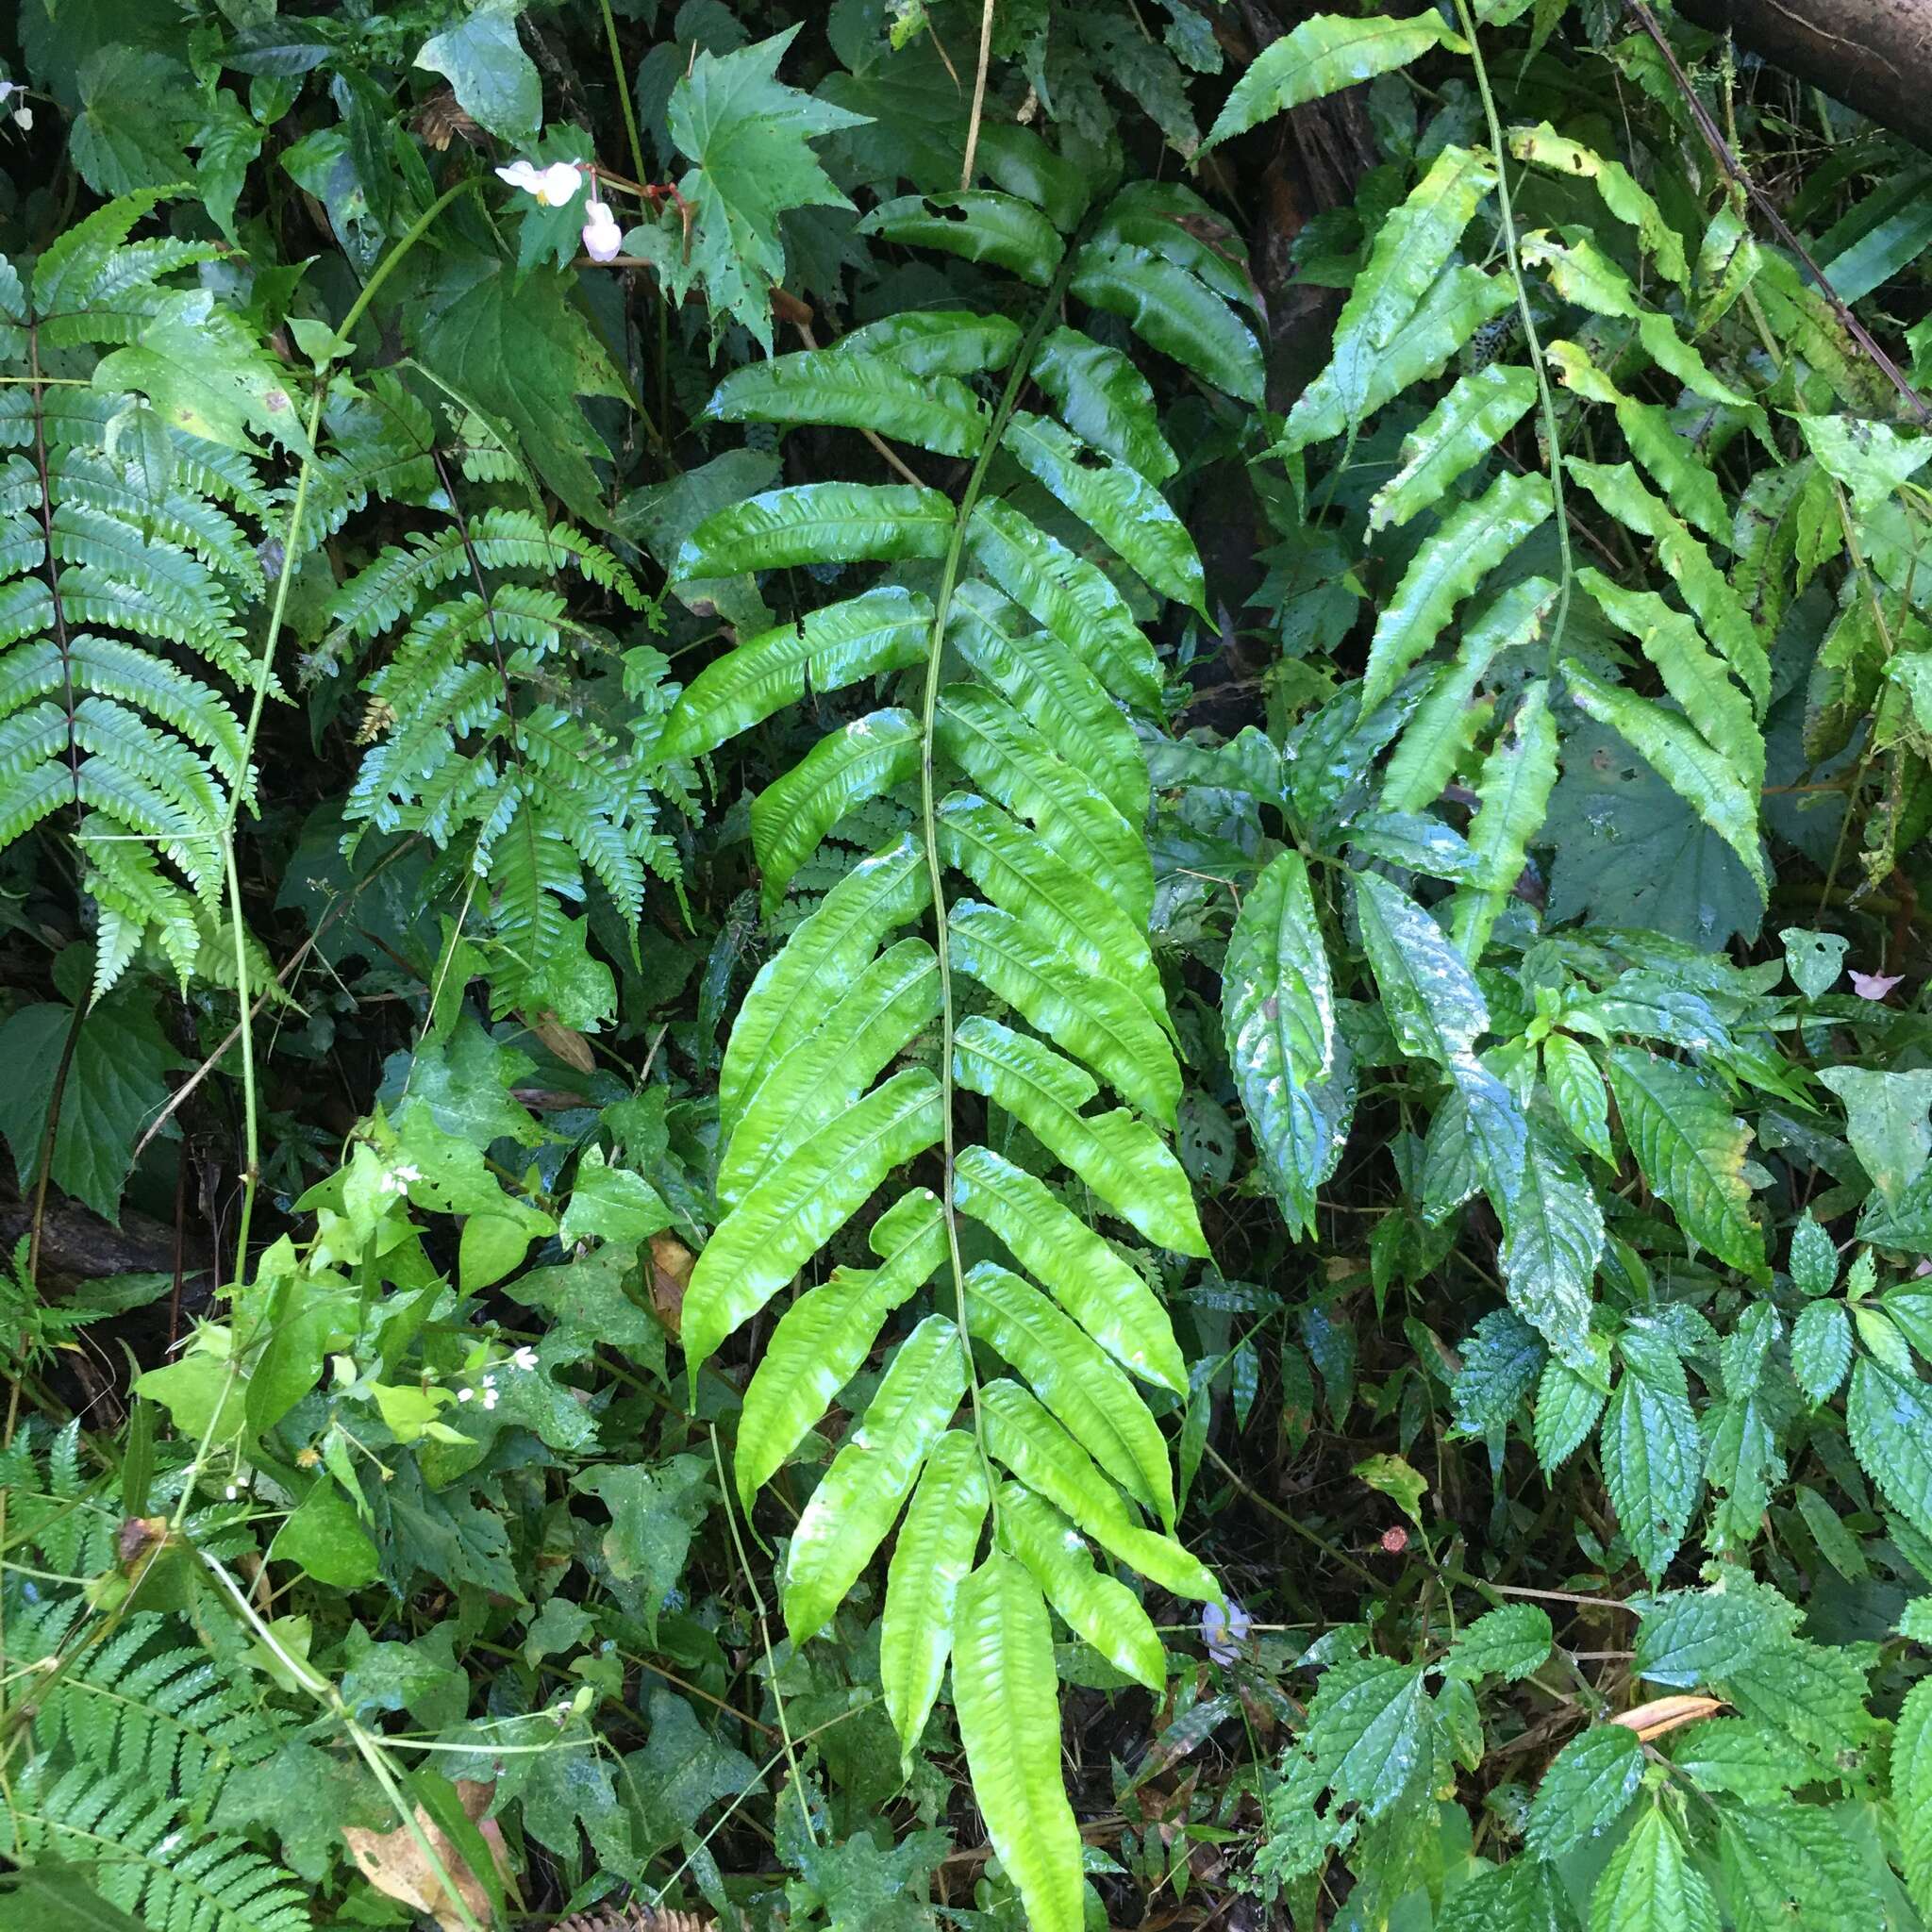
[[1721, 150], [978, 97]]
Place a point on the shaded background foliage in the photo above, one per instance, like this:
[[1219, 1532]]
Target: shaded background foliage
[[1559, 1351]]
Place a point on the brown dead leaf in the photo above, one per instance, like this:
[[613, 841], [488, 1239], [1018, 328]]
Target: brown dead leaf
[[566, 1042], [1663, 1714], [393, 1862], [439, 117], [671, 1266]]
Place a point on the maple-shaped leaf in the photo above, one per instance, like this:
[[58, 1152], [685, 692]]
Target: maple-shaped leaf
[[747, 132]]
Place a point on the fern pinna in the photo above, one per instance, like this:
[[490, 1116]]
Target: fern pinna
[[1022, 667], [127, 489]]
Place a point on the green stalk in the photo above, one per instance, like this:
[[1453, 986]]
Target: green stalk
[[942, 606], [1551, 434]]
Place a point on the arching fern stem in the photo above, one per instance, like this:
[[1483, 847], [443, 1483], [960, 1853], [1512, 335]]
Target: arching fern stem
[[942, 605], [1467, 21]]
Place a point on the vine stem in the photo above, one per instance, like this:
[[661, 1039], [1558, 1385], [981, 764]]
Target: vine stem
[[630, 119], [1551, 434], [942, 606]]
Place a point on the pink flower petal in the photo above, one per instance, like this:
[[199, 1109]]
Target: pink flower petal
[[1874, 986]]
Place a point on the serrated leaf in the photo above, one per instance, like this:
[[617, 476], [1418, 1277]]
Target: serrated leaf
[[813, 523], [1469, 422], [855, 391], [1431, 999], [1451, 562], [1099, 1290], [1105, 401], [1320, 57], [872, 1473], [1174, 311], [1006, 1693], [1702, 777], [1652, 1465], [931, 1560], [1095, 1020], [1911, 1792], [981, 225], [1524, 1895], [1821, 1349], [1514, 797], [1889, 1422], [1553, 1238], [859, 760], [1368, 1731], [821, 1341], [1119, 1158], [798, 1206], [1278, 1015], [1575, 1086], [1650, 1886], [1796, 1866], [886, 630], [1508, 1643], [1568, 1403], [1079, 1385], [1690, 1638], [1114, 501], [1585, 1790], [1096, 1608], [1692, 1149]]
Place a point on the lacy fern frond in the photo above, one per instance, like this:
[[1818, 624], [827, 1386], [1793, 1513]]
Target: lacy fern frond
[[1027, 862]]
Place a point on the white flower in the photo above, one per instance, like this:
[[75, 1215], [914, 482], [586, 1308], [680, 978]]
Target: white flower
[[603, 238], [525, 1357], [24, 119], [554, 186], [405, 1174], [490, 1398], [232, 1492], [466, 1395]]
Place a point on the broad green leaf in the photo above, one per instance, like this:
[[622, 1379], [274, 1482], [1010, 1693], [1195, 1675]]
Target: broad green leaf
[[1821, 1349], [1622, 195], [1431, 999], [1871, 460], [1905, 1224], [931, 1559], [1692, 1150], [612, 1204], [1279, 1012], [1679, 755], [1575, 1086], [748, 134], [494, 81], [1692, 1637], [1553, 1238], [820, 1343], [1452, 561], [1447, 721], [1812, 1257], [1911, 1792], [1114, 501], [1006, 1695], [1650, 1886], [794, 991], [1749, 1760], [1796, 1865], [1815, 960], [1023, 876], [1321, 56], [1099, 1290], [1022, 1436], [1369, 1732], [1568, 1403], [1524, 1895], [1513, 796], [858, 761], [1458, 303], [1005, 757], [800, 1203], [981, 225], [1173, 311], [1122, 1158], [872, 1473], [855, 391], [1069, 596], [1454, 437], [1696, 578], [871, 1021], [886, 630], [1585, 1790], [1176, 224], [1890, 1420], [1052, 689], [1097, 1020], [817, 524], [937, 341], [1508, 1643], [1105, 401], [1079, 1385], [1653, 1463], [1096, 1608], [1886, 1123]]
